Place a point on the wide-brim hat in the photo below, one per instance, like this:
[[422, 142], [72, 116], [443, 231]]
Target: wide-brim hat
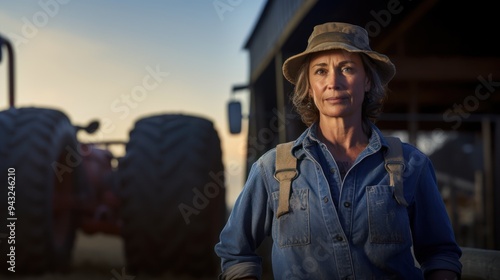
[[344, 36]]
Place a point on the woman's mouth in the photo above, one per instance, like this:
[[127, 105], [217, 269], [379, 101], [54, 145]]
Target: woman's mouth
[[336, 99]]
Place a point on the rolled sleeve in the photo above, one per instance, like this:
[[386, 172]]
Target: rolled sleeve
[[442, 263]]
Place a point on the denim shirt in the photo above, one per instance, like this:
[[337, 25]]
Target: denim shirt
[[363, 234]]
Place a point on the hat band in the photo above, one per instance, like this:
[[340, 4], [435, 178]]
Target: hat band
[[339, 37]]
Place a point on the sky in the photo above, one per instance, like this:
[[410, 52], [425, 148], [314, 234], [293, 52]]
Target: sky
[[120, 60]]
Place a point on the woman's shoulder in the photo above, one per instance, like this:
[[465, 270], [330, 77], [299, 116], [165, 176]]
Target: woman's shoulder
[[268, 159], [412, 150], [414, 156], [411, 153]]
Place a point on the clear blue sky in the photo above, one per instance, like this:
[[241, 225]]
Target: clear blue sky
[[120, 60]]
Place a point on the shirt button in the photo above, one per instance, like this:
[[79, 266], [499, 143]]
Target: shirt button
[[347, 204], [332, 170], [325, 199], [339, 238]]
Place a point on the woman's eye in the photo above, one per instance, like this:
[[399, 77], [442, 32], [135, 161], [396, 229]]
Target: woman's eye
[[347, 69], [320, 72]]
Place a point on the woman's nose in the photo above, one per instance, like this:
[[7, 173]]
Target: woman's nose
[[334, 80]]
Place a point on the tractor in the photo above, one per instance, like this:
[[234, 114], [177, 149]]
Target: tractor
[[165, 197]]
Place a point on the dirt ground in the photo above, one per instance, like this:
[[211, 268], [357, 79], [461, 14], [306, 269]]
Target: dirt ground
[[97, 257]]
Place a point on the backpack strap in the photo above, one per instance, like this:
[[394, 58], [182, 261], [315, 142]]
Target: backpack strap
[[286, 171], [395, 165]]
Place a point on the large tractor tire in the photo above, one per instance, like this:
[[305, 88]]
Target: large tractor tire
[[173, 193], [38, 179]]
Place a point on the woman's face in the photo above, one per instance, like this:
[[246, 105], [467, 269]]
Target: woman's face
[[337, 83]]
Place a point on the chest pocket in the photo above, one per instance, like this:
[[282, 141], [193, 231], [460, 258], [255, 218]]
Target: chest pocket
[[387, 220], [293, 228]]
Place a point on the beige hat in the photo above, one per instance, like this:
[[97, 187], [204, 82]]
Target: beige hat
[[338, 35]]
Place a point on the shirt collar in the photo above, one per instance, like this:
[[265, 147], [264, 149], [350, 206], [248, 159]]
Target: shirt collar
[[309, 137]]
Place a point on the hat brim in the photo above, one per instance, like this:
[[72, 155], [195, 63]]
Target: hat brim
[[385, 67]]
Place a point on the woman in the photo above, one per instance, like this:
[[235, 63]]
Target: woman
[[344, 221]]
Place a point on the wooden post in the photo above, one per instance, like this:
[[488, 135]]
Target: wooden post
[[496, 183], [479, 224], [413, 114], [488, 182], [280, 96]]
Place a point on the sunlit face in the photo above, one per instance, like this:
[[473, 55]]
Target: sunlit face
[[338, 83]]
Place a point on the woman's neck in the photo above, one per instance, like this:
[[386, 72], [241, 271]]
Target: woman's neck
[[344, 140]]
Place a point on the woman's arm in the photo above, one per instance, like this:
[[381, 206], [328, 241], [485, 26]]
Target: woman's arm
[[434, 241], [248, 225]]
